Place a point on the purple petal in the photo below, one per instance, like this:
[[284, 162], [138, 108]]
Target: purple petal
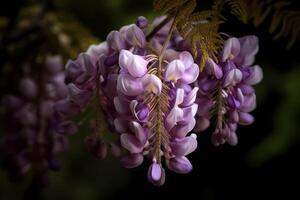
[[142, 22], [180, 165], [256, 75], [132, 160], [214, 69], [28, 88], [190, 98], [67, 127], [202, 124], [249, 48], [80, 97], [181, 131], [115, 41], [134, 64], [245, 118], [96, 50], [232, 138], [129, 86], [140, 112], [139, 132], [135, 36], [121, 105], [184, 146], [131, 143], [231, 49], [233, 77], [187, 59], [152, 83], [174, 71], [190, 74], [154, 172]]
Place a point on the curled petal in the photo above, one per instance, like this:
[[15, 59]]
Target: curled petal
[[174, 71], [181, 131], [187, 59], [180, 165], [135, 36], [129, 86], [140, 112], [233, 77], [79, 96], [190, 74], [134, 64], [231, 49], [96, 50], [249, 48], [121, 105], [184, 146], [152, 83], [131, 143], [142, 22], [190, 98], [214, 69], [256, 75], [139, 132], [115, 41]]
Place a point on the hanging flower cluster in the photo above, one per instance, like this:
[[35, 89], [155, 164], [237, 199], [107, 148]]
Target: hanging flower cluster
[[226, 89], [31, 141], [152, 95]]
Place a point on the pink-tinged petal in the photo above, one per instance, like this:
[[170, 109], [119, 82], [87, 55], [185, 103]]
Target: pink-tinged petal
[[154, 172], [174, 71], [245, 118], [233, 77], [152, 83], [139, 132], [184, 146], [249, 48], [190, 98], [214, 69], [231, 49], [202, 124], [180, 165], [121, 105], [134, 64], [179, 96], [129, 86], [256, 75], [131, 143], [187, 59], [181, 131], [190, 75], [132, 160]]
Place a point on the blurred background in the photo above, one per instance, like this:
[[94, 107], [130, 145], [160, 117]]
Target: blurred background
[[263, 165]]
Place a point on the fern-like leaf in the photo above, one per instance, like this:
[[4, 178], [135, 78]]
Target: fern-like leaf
[[239, 9]]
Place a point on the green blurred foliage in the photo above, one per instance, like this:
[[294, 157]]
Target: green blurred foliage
[[286, 118]]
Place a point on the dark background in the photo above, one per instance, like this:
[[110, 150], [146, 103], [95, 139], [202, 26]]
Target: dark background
[[264, 164]]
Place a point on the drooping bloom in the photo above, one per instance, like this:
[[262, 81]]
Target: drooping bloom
[[31, 142], [227, 88]]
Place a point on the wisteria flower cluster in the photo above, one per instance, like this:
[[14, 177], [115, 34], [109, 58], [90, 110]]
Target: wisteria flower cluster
[[31, 141], [151, 93]]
